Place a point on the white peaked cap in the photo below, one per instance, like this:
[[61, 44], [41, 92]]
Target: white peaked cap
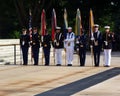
[[107, 27], [69, 28], [58, 28], [96, 25]]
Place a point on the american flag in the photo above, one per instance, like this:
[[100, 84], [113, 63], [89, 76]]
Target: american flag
[[30, 24]]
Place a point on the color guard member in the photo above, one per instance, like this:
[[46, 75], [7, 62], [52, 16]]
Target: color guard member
[[24, 44], [108, 38], [35, 45], [97, 44], [69, 46], [81, 47], [46, 44], [58, 45]]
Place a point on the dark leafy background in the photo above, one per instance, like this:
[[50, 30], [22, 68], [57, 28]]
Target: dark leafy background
[[14, 14]]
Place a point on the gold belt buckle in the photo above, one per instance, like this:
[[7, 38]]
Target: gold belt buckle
[[45, 45], [57, 44], [96, 43], [33, 43], [69, 44]]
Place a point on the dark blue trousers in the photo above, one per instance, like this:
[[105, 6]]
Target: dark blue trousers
[[35, 52], [82, 54], [25, 55], [96, 51], [47, 55]]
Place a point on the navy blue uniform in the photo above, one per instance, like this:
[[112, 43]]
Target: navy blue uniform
[[24, 44], [35, 47], [58, 45], [59, 40], [97, 45], [81, 44], [46, 44]]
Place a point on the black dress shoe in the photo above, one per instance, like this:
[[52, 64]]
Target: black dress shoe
[[24, 64], [35, 64], [69, 65], [46, 64], [96, 65], [106, 66], [82, 65], [58, 65]]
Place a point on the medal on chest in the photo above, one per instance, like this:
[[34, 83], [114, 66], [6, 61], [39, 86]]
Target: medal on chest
[[58, 39], [96, 43]]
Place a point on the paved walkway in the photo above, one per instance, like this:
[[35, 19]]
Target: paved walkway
[[18, 80]]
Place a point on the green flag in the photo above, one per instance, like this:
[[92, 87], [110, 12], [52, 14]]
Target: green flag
[[78, 25]]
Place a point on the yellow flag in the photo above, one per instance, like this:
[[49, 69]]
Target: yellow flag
[[91, 23]]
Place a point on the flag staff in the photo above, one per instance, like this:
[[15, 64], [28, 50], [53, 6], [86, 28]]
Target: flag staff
[[91, 24], [65, 28], [30, 31], [43, 29], [54, 25]]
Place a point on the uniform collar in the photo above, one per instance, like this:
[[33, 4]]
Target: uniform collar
[[35, 33], [69, 32]]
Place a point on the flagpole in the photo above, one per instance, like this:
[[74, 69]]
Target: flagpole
[[20, 56], [66, 26], [30, 31], [76, 31], [42, 56], [43, 29], [54, 24], [91, 19], [78, 27], [42, 51]]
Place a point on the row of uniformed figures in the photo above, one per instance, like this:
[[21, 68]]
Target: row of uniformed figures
[[26, 42], [68, 42]]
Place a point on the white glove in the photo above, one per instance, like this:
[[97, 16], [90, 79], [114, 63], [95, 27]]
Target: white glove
[[77, 49], [92, 38], [91, 46]]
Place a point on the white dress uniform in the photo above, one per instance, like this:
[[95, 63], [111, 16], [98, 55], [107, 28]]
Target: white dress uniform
[[69, 45], [58, 45], [107, 41]]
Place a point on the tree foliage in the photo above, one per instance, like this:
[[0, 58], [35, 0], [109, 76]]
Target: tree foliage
[[15, 14]]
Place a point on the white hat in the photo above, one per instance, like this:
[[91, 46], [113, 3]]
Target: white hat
[[58, 28], [96, 25], [107, 27], [69, 28]]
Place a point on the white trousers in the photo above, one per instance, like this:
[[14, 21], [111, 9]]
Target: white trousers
[[69, 54], [58, 56], [107, 56]]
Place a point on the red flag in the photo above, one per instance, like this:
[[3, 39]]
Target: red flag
[[54, 24], [43, 23]]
